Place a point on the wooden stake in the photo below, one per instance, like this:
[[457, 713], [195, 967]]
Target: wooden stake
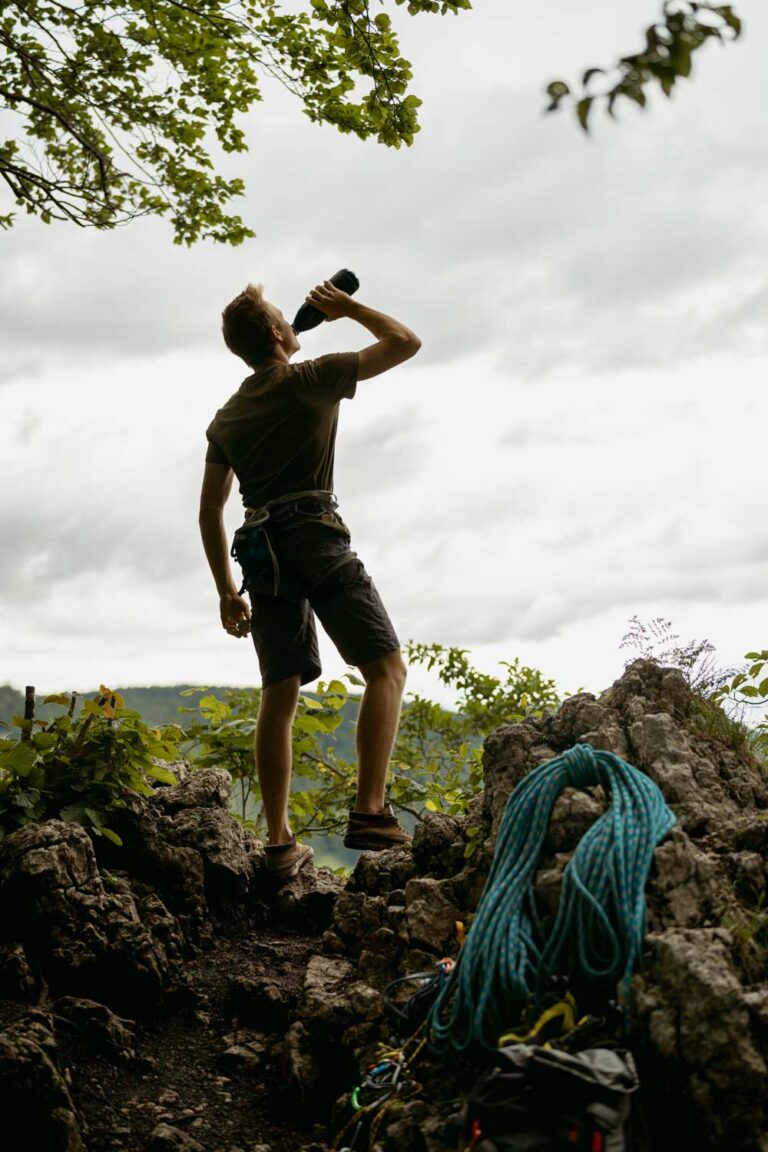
[[29, 709]]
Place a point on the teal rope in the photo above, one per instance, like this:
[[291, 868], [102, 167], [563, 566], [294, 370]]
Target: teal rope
[[600, 924]]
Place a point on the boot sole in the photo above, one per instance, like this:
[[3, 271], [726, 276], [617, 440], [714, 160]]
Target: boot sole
[[364, 843]]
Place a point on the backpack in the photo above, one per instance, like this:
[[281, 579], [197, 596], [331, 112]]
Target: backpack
[[540, 1099]]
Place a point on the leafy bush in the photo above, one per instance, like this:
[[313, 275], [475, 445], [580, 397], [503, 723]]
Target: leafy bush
[[748, 689], [723, 697], [223, 734], [437, 762], [80, 769], [437, 759]]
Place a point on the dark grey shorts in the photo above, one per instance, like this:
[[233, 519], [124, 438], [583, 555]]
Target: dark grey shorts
[[309, 544]]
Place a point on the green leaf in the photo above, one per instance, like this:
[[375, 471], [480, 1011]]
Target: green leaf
[[762, 687], [590, 72], [557, 89], [73, 813], [20, 758], [44, 739], [58, 698], [431, 806], [730, 17], [582, 111], [110, 835], [161, 774], [25, 799]]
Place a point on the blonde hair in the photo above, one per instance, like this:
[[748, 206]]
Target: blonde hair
[[246, 325]]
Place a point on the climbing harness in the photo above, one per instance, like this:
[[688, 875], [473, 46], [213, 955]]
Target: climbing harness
[[251, 544], [598, 932]]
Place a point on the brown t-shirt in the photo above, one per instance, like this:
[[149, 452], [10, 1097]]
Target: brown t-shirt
[[278, 431]]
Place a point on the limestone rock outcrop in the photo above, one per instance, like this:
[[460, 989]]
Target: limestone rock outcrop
[[96, 937]]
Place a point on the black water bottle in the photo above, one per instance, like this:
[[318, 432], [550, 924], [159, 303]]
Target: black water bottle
[[309, 317]]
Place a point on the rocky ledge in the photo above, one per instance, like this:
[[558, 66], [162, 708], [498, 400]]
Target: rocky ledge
[[155, 997]]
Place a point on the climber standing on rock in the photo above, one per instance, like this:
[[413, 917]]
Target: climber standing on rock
[[277, 435]]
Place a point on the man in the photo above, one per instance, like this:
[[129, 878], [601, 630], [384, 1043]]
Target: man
[[277, 434]]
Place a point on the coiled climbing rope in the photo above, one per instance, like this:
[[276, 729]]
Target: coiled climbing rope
[[600, 923]]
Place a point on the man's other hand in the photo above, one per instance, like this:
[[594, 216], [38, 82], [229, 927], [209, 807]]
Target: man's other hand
[[330, 300], [234, 612]]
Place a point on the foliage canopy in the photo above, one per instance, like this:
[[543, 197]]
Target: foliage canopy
[[121, 105], [666, 57], [122, 101]]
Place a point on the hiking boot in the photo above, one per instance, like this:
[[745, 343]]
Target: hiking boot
[[285, 860], [374, 831]]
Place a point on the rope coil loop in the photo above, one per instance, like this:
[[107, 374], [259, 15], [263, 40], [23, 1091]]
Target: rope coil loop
[[600, 924]]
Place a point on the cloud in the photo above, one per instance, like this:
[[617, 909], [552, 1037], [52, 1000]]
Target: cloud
[[499, 229], [579, 436], [384, 454]]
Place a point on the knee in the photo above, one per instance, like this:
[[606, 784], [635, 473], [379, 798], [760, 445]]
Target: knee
[[390, 668], [280, 698]]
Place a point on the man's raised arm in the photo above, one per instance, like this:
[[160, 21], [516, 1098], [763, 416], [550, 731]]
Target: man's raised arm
[[395, 342]]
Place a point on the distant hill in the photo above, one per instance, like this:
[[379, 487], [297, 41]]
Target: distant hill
[[160, 705]]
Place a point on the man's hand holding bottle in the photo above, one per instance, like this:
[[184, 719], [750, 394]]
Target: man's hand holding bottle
[[330, 300]]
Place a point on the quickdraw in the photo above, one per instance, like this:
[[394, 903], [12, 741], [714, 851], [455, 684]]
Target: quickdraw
[[389, 1077]]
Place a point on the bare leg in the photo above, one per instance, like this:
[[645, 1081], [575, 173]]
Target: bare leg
[[273, 754], [377, 724]]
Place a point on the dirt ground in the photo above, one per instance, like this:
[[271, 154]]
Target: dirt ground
[[180, 1074]]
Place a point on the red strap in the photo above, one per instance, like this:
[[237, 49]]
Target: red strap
[[477, 1132]]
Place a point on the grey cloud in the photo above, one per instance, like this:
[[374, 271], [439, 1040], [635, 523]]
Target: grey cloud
[[384, 454], [28, 424], [496, 617], [525, 240], [45, 543]]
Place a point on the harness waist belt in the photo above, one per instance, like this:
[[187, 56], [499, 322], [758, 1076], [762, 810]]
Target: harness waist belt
[[256, 517], [260, 515]]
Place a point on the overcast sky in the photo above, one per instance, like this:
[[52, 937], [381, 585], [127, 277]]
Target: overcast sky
[[580, 439]]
